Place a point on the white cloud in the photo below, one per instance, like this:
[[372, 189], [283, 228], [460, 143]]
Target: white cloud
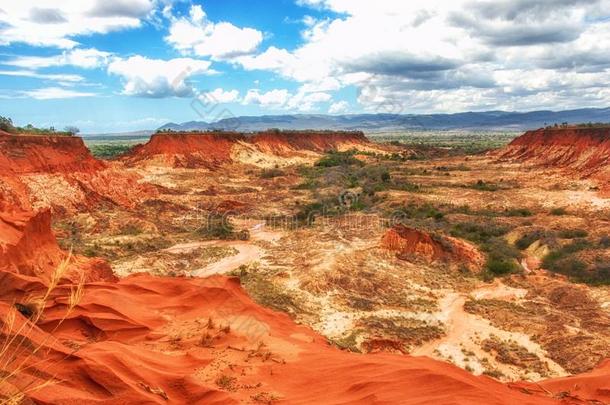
[[338, 107], [51, 76], [283, 99], [220, 96], [402, 56], [158, 78], [49, 93], [303, 101], [272, 98], [52, 23], [199, 36], [83, 58]]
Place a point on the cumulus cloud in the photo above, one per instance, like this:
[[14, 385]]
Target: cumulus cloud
[[157, 78], [48, 93], [197, 35], [440, 55], [339, 107], [220, 96], [272, 98], [49, 23]]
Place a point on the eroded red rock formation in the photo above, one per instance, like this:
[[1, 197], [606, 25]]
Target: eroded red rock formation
[[59, 172], [414, 243], [210, 150], [581, 152]]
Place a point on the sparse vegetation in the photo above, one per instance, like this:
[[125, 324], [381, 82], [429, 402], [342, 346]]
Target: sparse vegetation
[[558, 211], [334, 158], [110, 150], [6, 125], [501, 256], [272, 173]]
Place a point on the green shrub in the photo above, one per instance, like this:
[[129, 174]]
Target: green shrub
[[558, 211], [478, 232], [527, 239], [6, 124], [335, 158], [572, 233], [483, 186], [518, 212]]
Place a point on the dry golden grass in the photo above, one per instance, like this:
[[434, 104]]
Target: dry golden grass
[[18, 354]]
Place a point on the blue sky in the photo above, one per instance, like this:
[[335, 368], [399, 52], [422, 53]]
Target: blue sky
[[121, 65]]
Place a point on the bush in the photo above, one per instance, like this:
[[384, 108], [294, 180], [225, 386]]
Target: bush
[[478, 232], [572, 233], [558, 211], [518, 212], [109, 150], [604, 241], [334, 158], [6, 124], [527, 239], [271, 173], [483, 186], [217, 227], [499, 267]]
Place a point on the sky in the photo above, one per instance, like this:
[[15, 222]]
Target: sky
[[124, 65]]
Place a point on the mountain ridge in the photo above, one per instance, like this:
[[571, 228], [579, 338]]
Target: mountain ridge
[[486, 120]]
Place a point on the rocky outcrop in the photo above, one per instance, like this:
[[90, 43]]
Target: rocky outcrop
[[28, 154], [213, 149], [411, 243], [28, 248], [59, 172], [580, 152]]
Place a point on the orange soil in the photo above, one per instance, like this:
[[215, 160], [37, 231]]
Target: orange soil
[[209, 149], [34, 167], [146, 339], [413, 242], [583, 152]]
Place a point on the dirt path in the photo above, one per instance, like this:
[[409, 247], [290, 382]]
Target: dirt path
[[247, 253], [463, 329]]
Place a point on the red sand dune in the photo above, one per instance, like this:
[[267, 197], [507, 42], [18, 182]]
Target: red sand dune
[[582, 152], [410, 242], [210, 150]]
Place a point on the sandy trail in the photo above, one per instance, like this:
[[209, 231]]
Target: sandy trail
[[462, 328], [247, 252]]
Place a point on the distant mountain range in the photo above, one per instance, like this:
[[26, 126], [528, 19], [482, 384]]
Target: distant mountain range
[[487, 120]]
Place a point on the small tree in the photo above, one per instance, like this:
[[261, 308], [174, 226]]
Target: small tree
[[72, 130], [6, 124]]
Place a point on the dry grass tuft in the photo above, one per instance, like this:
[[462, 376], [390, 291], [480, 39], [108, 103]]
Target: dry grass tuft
[[18, 352]]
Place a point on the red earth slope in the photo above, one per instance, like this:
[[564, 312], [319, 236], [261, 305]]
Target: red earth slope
[[59, 172], [581, 152], [411, 242], [210, 150]]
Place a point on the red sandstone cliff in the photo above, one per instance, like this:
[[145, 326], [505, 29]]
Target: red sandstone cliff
[[210, 150], [59, 172], [582, 152]]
